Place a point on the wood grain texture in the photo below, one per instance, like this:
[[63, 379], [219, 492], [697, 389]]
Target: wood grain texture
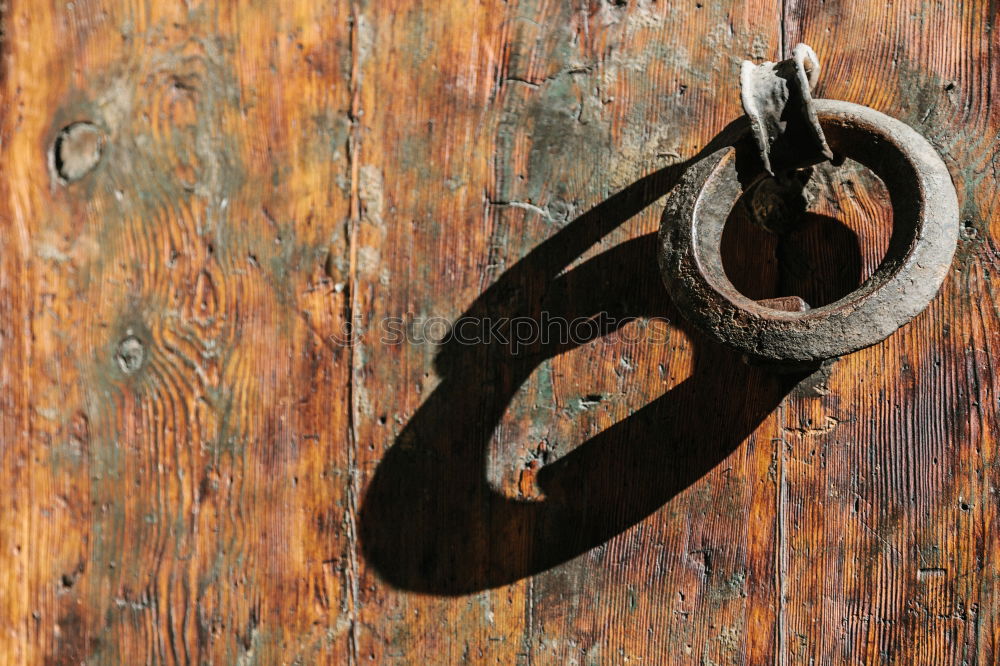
[[237, 425], [890, 474], [179, 472]]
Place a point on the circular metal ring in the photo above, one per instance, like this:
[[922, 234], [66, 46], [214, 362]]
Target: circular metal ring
[[924, 236]]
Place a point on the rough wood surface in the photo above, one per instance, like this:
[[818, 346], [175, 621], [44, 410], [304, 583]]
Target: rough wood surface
[[217, 449], [890, 477]]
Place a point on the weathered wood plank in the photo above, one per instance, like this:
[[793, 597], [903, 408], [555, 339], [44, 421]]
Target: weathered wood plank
[[890, 473], [504, 172], [180, 435]]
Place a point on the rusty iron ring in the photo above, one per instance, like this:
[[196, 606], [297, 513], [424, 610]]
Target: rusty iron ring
[[924, 236]]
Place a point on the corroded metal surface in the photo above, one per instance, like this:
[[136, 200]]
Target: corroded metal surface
[[925, 211]]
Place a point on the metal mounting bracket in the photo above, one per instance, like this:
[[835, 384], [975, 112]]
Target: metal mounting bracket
[[777, 99]]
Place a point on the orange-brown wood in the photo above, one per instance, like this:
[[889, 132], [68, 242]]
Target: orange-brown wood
[[231, 431], [889, 473], [185, 497]]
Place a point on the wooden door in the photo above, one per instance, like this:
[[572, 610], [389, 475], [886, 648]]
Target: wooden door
[[235, 428]]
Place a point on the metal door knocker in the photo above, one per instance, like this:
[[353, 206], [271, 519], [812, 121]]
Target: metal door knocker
[[791, 131]]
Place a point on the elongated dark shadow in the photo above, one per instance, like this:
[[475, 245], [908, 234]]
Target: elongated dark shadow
[[430, 521]]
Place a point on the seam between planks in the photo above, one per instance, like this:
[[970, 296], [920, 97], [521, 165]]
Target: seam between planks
[[781, 489], [780, 555], [350, 304]]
